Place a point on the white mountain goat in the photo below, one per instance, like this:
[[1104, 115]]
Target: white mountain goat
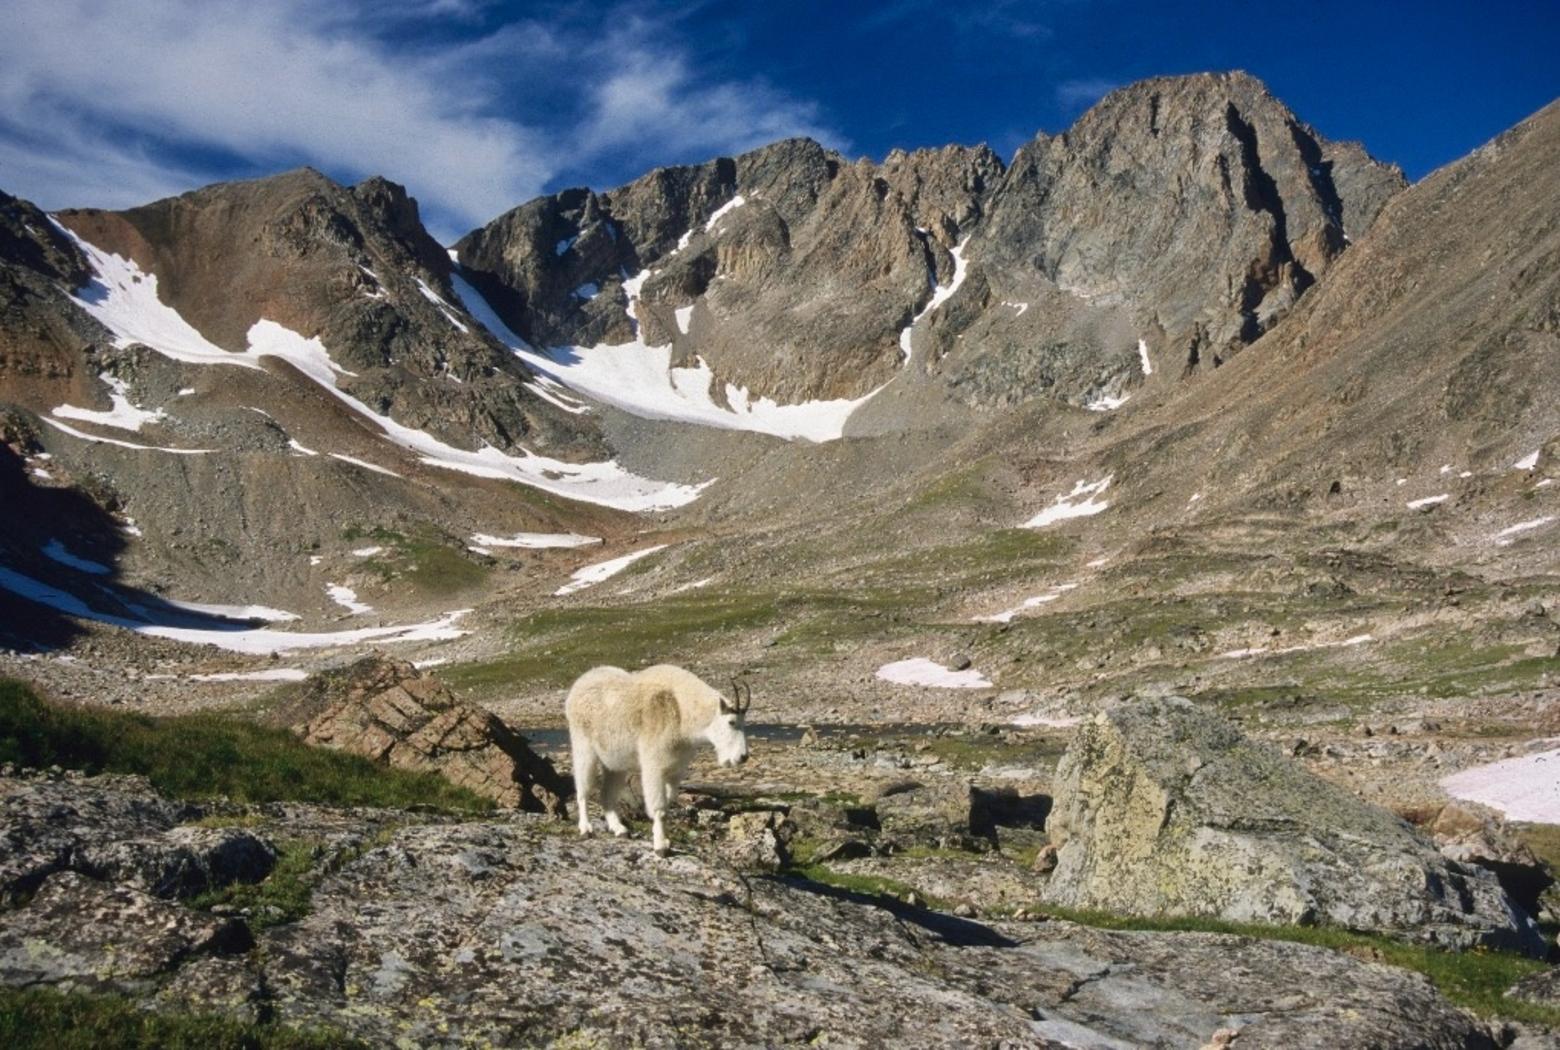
[[652, 720]]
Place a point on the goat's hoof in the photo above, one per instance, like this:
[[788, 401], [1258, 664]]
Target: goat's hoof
[[617, 829], [584, 832], [662, 851]]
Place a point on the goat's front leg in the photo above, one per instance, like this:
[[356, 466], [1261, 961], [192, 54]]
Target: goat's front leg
[[652, 782]]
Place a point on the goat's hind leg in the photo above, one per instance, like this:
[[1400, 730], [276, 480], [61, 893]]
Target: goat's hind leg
[[612, 781]]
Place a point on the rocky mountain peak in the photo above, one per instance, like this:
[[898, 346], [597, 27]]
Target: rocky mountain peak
[[1188, 213]]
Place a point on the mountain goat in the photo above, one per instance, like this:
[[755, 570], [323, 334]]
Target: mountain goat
[[651, 720]]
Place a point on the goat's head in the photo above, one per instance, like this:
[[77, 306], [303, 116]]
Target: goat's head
[[727, 730]]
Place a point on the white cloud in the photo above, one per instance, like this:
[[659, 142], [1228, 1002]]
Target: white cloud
[[115, 102], [692, 119], [1075, 96]]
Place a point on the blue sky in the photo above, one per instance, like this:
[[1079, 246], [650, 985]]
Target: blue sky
[[477, 105]]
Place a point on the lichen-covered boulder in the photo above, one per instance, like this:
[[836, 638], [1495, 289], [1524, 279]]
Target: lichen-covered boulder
[[389, 711], [1162, 808]]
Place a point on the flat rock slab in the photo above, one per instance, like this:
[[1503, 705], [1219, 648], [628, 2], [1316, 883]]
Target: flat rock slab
[[1163, 808]]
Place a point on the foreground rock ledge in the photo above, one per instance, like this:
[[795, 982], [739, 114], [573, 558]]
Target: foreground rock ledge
[[1162, 808], [515, 932]]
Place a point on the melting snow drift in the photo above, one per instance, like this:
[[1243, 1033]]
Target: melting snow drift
[[640, 380], [603, 570], [1079, 503], [1523, 788], [921, 671], [535, 540], [225, 634]]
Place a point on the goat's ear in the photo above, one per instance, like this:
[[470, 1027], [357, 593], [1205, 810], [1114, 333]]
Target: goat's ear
[[725, 708]]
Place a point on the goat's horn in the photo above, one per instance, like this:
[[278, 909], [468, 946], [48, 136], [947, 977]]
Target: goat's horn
[[746, 702]]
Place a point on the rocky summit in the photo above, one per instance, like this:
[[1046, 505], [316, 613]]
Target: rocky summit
[[1141, 550]]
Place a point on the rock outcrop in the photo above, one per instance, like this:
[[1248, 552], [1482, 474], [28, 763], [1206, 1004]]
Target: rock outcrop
[[1165, 809], [504, 933], [390, 712]]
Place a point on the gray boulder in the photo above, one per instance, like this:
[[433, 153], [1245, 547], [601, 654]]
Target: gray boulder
[[122, 833], [79, 931], [1162, 808]]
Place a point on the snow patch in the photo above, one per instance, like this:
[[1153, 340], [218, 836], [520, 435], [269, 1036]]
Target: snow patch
[[83, 435], [444, 307], [367, 552], [1523, 788], [604, 570], [364, 464], [57, 551], [684, 315], [263, 613], [1007, 615], [1527, 462], [300, 449], [346, 597], [1046, 721], [941, 293], [1020, 307], [270, 674], [587, 291], [640, 380], [123, 415], [1107, 403], [563, 246], [228, 635], [921, 671], [1079, 503], [535, 540], [1148, 366], [1428, 501], [1502, 538]]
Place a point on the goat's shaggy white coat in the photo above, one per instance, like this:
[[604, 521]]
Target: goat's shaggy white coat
[[651, 720]]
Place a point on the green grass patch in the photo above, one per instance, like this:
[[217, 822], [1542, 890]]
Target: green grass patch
[[287, 894], [1474, 979], [425, 558], [867, 885], [44, 1019], [552, 647], [281, 897], [204, 756]]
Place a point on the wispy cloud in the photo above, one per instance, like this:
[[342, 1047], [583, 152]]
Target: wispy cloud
[[1075, 96], [113, 102]]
